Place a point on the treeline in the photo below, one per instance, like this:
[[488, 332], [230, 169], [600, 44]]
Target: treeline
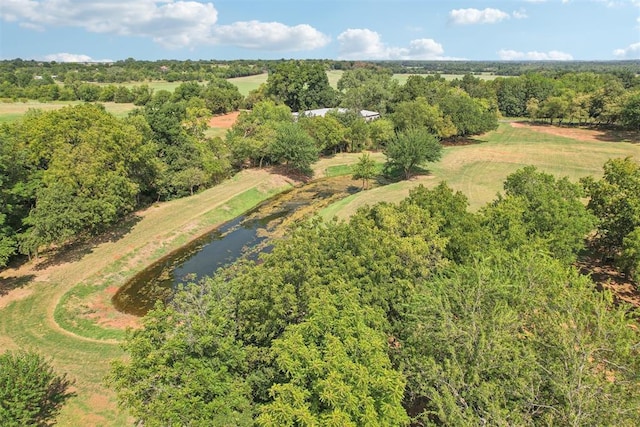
[[72, 173], [19, 72], [416, 313], [131, 70]]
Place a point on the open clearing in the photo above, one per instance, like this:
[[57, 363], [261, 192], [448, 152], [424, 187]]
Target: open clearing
[[84, 278], [478, 170]]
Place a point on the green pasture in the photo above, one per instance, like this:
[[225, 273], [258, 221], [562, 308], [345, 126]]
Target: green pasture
[[478, 170], [11, 111]]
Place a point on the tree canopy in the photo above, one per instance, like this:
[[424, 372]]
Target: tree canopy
[[418, 312], [31, 392]]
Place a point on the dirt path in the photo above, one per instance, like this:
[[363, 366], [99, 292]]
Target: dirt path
[[224, 121]]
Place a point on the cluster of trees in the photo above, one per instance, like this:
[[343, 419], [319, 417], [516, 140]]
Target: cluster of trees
[[31, 392], [74, 172], [571, 97], [419, 312], [615, 201], [20, 73]]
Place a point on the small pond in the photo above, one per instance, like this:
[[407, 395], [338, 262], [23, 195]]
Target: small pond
[[245, 236]]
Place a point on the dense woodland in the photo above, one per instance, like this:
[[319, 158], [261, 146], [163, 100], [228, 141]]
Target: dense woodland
[[419, 312]]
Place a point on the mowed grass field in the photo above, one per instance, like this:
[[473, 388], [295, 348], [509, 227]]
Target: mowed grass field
[[478, 170], [11, 111]]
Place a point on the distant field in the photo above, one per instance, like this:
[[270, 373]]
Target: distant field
[[10, 111], [402, 78], [13, 111], [479, 170], [155, 85]]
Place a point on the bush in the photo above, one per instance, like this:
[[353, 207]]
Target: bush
[[31, 393]]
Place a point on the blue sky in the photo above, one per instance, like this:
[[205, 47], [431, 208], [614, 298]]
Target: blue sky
[[80, 30]]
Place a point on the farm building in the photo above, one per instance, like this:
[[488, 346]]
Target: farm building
[[321, 112]]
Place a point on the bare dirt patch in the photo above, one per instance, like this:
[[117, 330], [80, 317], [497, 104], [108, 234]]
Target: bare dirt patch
[[224, 121], [606, 276], [581, 134]]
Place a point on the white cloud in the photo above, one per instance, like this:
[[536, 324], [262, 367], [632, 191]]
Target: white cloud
[[632, 51], [72, 57], [270, 35], [520, 14], [171, 23], [366, 44], [552, 55], [476, 16]]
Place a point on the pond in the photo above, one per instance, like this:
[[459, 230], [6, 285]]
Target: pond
[[244, 237]]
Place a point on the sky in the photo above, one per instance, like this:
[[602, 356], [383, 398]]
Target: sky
[[111, 30]]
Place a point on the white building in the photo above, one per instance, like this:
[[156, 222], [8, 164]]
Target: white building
[[321, 112]]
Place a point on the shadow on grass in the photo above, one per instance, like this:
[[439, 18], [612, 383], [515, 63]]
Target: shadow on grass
[[77, 250], [618, 135], [604, 133], [8, 284], [460, 141]]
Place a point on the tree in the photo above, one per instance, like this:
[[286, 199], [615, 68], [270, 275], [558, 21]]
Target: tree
[[539, 206], [412, 148], [380, 132], [365, 170], [418, 113], [630, 115], [470, 116], [294, 147], [185, 365], [615, 201], [300, 85], [511, 339], [368, 89], [336, 367], [327, 131], [94, 166], [221, 96], [31, 393]]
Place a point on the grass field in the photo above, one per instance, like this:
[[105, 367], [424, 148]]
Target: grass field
[[478, 170], [45, 306], [10, 111]]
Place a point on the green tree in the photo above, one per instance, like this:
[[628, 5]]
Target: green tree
[[185, 365], [368, 89], [294, 147], [510, 339], [630, 115], [91, 168], [365, 170], [300, 85], [418, 113], [540, 207], [412, 148], [336, 367], [221, 96], [381, 131], [31, 392], [327, 131], [615, 201]]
